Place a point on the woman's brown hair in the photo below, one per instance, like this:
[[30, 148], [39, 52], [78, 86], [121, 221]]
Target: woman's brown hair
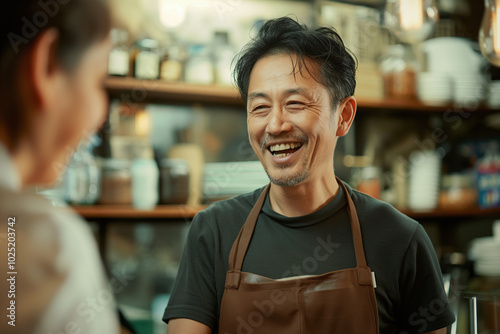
[[80, 24]]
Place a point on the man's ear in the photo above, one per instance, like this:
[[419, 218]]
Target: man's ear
[[43, 69], [346, 112]]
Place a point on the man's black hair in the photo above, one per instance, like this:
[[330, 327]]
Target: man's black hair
[[324, 46]]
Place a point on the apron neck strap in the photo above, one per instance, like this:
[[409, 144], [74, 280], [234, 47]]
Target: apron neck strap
[[240, 246], [355, 228], [242, 242]]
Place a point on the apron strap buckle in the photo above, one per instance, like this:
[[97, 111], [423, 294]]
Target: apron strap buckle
[[364, 276], [233, 279]]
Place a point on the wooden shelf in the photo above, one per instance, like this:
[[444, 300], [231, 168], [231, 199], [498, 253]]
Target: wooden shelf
[[141, 91], [133, 90], [449, 213], [416, 106], [128, 212], [188, 212]]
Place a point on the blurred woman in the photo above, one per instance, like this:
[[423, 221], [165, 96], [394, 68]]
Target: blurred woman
[[53, 60]]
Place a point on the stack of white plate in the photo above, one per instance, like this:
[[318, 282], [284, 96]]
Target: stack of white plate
[[226, 179], [469, 88], [494, 95], [435, 89], [424, 172], [485, 252]]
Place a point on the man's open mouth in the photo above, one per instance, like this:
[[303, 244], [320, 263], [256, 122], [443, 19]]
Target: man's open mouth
[[284, 149]]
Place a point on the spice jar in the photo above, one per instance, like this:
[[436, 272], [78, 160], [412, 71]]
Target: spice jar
[[174, 176], [146, 59], [399, 68], [116, 182]]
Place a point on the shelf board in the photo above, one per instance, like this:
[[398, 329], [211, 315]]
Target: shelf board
[[188, 212], [141, 91], [452, 213], [418, 106], [128, 212], [133, 90]]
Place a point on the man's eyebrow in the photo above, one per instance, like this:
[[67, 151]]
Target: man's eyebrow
[[255, 95], [288, 92], [299, 90]]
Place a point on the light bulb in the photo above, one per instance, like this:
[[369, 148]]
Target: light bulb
[[489, 34], [172, 13], [412, 21]]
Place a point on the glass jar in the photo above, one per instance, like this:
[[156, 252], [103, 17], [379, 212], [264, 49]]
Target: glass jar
[[81, 181], [174, 176], [119, 56], [399, 68], [116, 182], [146, 59]]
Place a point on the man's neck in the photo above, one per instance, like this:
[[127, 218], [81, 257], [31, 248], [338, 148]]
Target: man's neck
[[305, 198]]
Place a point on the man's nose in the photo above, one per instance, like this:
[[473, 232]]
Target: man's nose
[[278, 122]]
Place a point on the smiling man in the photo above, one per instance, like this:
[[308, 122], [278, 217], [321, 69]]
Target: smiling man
[[307, 253]]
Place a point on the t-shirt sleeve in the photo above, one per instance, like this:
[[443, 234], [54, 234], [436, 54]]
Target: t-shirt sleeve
[[424, 305], [194, 293]]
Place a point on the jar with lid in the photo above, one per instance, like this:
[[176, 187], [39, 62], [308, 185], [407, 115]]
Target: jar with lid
[[174, 186], [116, 182], [146, 59], [119, 56], [399, 68]]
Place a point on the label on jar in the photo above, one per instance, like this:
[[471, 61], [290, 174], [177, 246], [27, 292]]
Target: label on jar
[[147, 65], [118, 62]]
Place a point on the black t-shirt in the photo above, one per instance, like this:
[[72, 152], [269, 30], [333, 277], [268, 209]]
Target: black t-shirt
[[410, 294]]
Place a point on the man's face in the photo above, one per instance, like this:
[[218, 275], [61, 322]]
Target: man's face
[[291, 124]]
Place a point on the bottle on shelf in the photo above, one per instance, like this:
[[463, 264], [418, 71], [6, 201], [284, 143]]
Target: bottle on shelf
[[119, 56], [199, 66], [223, 55], [145, 176], [172, 63]]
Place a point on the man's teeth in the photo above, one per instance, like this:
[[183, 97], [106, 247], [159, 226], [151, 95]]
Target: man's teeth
[[281, 147]]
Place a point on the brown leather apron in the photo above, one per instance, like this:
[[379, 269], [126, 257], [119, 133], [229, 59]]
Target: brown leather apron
[[340, 301]]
